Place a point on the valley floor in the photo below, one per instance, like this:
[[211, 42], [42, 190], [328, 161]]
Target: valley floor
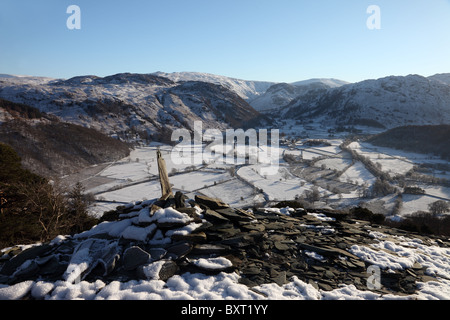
[[341, 181]]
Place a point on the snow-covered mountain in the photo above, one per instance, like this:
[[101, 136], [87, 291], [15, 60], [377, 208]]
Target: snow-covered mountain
[[151, 105], [390, 102], [261, 95], [125, 104], [246, 89], [281, 94], [441, 77], [331, 83]]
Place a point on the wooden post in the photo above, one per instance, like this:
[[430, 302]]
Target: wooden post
[[166, 189]]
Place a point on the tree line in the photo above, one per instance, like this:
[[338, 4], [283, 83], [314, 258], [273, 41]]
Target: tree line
[[33, 208]]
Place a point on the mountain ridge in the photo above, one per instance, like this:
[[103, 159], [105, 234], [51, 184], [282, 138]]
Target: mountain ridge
[[127, 104], [150, 105], [391, 101]]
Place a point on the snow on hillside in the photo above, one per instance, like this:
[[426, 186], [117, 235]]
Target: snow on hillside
[[331, 83], [261, 95], [442, 77], [390, 101], [246, 89], [131, 106], [280, 95]]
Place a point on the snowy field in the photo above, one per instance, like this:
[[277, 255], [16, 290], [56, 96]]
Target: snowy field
[[135, 177], [391, 160], [338, 164], [235, 192], [283, 186], [358, 174]]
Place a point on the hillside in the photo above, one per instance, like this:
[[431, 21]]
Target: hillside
[[281, 94], [261, 95], [421, 139], [32, 208], [53, 148], [132, 106], [246, 89], [390, 102]]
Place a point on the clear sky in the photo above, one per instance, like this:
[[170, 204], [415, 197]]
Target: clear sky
[[269, 40]]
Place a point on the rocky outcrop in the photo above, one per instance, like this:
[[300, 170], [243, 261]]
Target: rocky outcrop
[[160, 238]]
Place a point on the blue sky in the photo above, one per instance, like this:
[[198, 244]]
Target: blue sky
[[270, 40]]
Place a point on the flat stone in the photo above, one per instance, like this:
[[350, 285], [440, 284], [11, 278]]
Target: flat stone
[[229, 232], [134, 257], [251, 271], [280, 279], [327, 251], [209, 214], [299, 212], [239, 242], [26, 271], [274, 225], [34, 252], [157, 253], [171, 225], [233, 215], [191, 212], [426, 278], [253, 226], [180, 198], [210, 249], [281, 246], [417, 266], [358, 263], [328, 274], [191, 237], [313, 283], [53, 266], [168, 269], [245, 213], [325, 286], [211, 203], [179, 250]]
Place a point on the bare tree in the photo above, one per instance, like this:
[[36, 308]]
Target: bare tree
[[439, 207]]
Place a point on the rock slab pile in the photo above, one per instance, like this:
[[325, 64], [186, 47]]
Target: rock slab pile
[[159, 238]]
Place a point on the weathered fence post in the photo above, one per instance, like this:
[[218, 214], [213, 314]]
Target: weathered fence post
[[166, 188]]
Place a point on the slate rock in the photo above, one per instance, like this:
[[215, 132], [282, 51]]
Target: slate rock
[[168, 269], [211, 203], [253, 226], [54, 268], [281, 246], [134, 257], [157, 253], [159, 270], [179, 250], [197, 237], [26, 271], [180, 199], [30, 254], [214, 216], [251, 271], [280, 279], [206, 249], [234, 215], [299, 212]]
